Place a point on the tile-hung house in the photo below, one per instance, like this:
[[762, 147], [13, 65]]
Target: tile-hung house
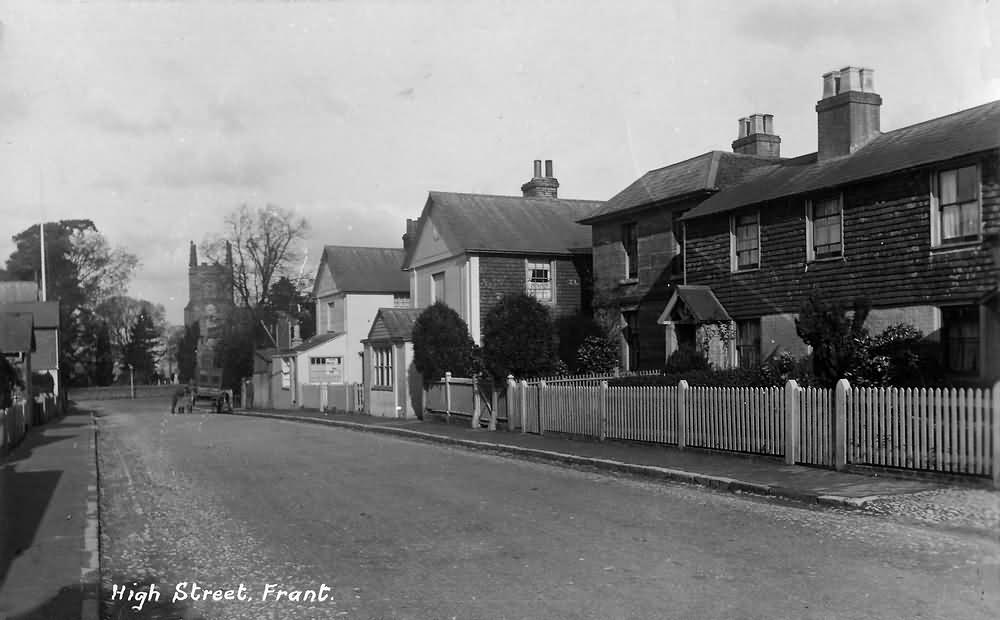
[[45, 356], [468, 250], [909, 219], [351, 284], [393, 388], [638, 246]]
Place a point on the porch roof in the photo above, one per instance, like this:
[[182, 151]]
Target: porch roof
[[700, 302]]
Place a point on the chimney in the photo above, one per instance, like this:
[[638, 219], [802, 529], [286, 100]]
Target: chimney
[[756, 137], [541, 186], [848, 113], [408, 236], [296, 338], [193, 256]]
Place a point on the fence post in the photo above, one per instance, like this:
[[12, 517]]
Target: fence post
[[996, 435], [541, 390], [682, 417], [510, 402], [447, 397], [524, 405], [475, 401], [602, 403], [791, 421], [495, 404], [840, 424]]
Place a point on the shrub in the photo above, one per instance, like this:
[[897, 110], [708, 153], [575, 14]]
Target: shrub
[[518, 338], [596, 355], [686, 359], [898, 356], [572, 332], [441, 343], [836, 337]]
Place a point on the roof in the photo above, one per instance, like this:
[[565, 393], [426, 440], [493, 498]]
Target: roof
[[508, 224], [16, 291], [16, 332], [398, 321], [699, 175], [366, 270], [46, 313], [308, 343], [700, 301], [940, 139]]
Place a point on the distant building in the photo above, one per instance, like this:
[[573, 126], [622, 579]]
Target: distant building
[[210, 305]]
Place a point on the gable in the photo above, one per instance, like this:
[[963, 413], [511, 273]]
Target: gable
[[431, 245], [324, 284]]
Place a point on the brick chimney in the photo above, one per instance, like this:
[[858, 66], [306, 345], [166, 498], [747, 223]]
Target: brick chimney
[[757, 137], [848, 113], [541, 186], [409, 235], [193, 255]]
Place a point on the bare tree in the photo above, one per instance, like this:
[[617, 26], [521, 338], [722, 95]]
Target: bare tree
[[264, 242], [102, 272]]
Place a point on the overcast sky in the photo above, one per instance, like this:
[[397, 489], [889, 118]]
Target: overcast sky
[[155, 119]]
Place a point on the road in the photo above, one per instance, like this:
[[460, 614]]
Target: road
[[408, 530]]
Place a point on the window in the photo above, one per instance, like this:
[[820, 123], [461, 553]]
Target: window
[[746, 241], [631, 335], [329, 315], [437, 287], [630, 241], [400, 301], [748, 343], [960, 337], [382, 367], [824, 228], [539, 280], [955, 202], [677, 262], [286, 373]]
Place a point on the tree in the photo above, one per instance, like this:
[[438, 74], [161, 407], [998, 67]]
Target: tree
[[518, 338], [139, 354], [837, 337], [263, 243], [596, 354], [235, 355], [441, 343], [104, 361], [120, 313]]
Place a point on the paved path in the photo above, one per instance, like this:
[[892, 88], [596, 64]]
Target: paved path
[[400, 529], [48, 524]]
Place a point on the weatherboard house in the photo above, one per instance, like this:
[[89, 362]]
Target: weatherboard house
[[908, 219]]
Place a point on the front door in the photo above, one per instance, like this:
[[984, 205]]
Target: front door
[[685, 335]]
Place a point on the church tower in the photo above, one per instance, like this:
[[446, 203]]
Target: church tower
[[211, 305]]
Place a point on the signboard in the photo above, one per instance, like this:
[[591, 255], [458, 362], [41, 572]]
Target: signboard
[[326, 369], [286, 373]]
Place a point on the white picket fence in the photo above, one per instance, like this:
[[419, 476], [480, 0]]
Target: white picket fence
[[950, 431]]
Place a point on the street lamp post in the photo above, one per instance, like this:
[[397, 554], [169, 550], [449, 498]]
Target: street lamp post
[[131, 380]]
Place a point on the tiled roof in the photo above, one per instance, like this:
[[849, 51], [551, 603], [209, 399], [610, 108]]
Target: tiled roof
[[703, 304], [940, 139], [16, 291], [366, 270], [46, 313], [510, 224], [16, 332], [705, 173], [313, 341], [398, 321]]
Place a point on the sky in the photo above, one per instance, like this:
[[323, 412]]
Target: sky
[[155, 119]]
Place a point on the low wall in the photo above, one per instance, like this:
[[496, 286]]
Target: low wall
[[116, 392]]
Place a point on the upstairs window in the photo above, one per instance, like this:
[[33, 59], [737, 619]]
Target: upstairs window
[[539, 280], [825, 228], [400, 301], [630, 241], [330, 307], [437, 287], [955, 204], [960, 337], [677, 262], [745, 237]]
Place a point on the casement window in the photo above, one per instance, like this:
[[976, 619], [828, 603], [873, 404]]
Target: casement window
[[825, 228], [748, 343], [960, 338], [400, 301], [382, 367], [539, 280], [630, 241], [437, 287], [745, 241], [329, 315], [955, 206], [677, 262]]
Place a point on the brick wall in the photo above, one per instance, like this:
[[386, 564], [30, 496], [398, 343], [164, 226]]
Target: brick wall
[[887, 254]]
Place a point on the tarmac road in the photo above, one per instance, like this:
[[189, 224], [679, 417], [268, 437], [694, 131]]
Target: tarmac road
[[407, 530]]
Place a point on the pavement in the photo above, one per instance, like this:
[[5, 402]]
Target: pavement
[[48, 523], [718, 470]]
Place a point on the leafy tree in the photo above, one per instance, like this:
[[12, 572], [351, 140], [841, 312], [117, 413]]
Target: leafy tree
[[837, 338], [235, 355], [289, 298], [120, 313], [596, 354], [441, 343], [572, 332], [104, 362], [187, 352], [10, 379], [518, 338], [140, 351]]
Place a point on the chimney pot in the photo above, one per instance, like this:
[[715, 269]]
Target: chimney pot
[[756, 137], [829, 84], [742, 127], [849, 118], [769, 123], [548, 168], [538, 168], [867, 80]]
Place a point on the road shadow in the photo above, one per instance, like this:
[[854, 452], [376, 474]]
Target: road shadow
[[24, 498], [67, 604]]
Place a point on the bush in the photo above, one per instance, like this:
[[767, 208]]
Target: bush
[[732, 377], [836, 337], [572, 332], [596, 355], [898, 356], [518, 338], [441, 343], [686, 359]]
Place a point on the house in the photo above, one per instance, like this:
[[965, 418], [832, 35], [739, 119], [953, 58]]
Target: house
[[908, 218], [393, 388], [17, 343], [46, 333], [638, 243], [468, 250]]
